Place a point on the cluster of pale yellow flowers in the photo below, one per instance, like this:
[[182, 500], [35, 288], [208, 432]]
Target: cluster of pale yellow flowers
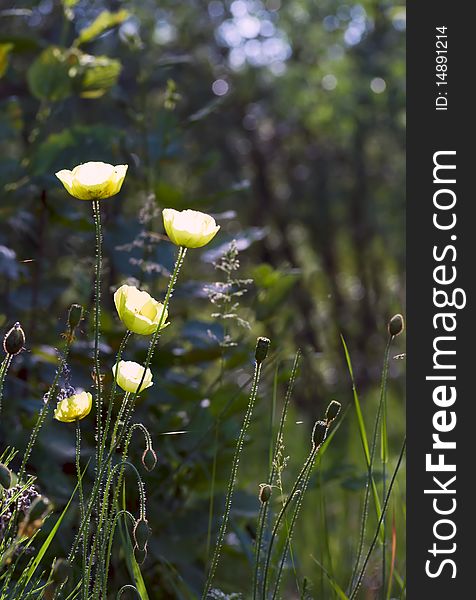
[[138, 311]]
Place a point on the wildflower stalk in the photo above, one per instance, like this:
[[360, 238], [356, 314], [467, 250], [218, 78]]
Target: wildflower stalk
[[272, 474], [355, 589], [45, 408], [297, 508], [125, 411], [232, 480], [370, 475], [3, 373], [294, 491], [80, 486], [122, 347], [384, 452], [97, 326]]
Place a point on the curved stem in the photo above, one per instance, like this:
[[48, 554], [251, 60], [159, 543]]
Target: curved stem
[[232, 480], [3, 373]]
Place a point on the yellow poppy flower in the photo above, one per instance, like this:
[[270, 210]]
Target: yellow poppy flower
[[93, 180], [189, 228], [129, 375], [74, 408], [139, 312]]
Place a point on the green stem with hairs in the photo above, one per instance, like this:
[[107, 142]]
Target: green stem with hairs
[[232, 480], [97, 327], [45, 407], [384, 510], [272, 473], [370, 470], [3, 373], [295, 490], [112, 394]]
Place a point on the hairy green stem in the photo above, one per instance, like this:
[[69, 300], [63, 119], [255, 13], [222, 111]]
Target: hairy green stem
[[370, 474], [297, 508], [384, 509], [97, 327], [3, 373], [295, 490], [384, 454], [232, 480], [44, 408], [272, 473]]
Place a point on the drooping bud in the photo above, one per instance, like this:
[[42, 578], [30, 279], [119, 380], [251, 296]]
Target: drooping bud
[[140, 555], [262, 346], [75, 315], [332, 411], [14, 340], [61, 571], [39, 508], [265, 491], [149, 459], [319, 433], [396, 325], [5, 476], [141, 533]]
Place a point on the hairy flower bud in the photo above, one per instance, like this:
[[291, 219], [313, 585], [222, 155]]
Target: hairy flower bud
[[75, 315], [396, 325], [14, 340], [319, 433], [262, 346], [61, 571], [265, 491], [140, 555], [141, 533], [332, 411], [39, 508], [149, 459], [5, 476]]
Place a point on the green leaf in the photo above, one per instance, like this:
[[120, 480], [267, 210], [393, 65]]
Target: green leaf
[[104, 21], [99, 74], [5, 50], [49, 75]]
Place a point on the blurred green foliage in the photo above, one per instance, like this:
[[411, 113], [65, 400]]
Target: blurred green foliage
[[286, 121]]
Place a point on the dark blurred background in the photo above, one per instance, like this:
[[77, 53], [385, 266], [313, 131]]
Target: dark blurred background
[[283, 119]]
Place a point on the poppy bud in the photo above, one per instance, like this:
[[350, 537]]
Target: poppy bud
[[149, 459], [265, 491], [5, 476], [319, 433], [396, 325], [61, 571], [39, 508], [262, 346], [332, 411], [140, 555], [75, 315], [141, 533], [14, 340]]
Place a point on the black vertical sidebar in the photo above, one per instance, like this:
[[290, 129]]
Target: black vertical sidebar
[[441, 319]]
